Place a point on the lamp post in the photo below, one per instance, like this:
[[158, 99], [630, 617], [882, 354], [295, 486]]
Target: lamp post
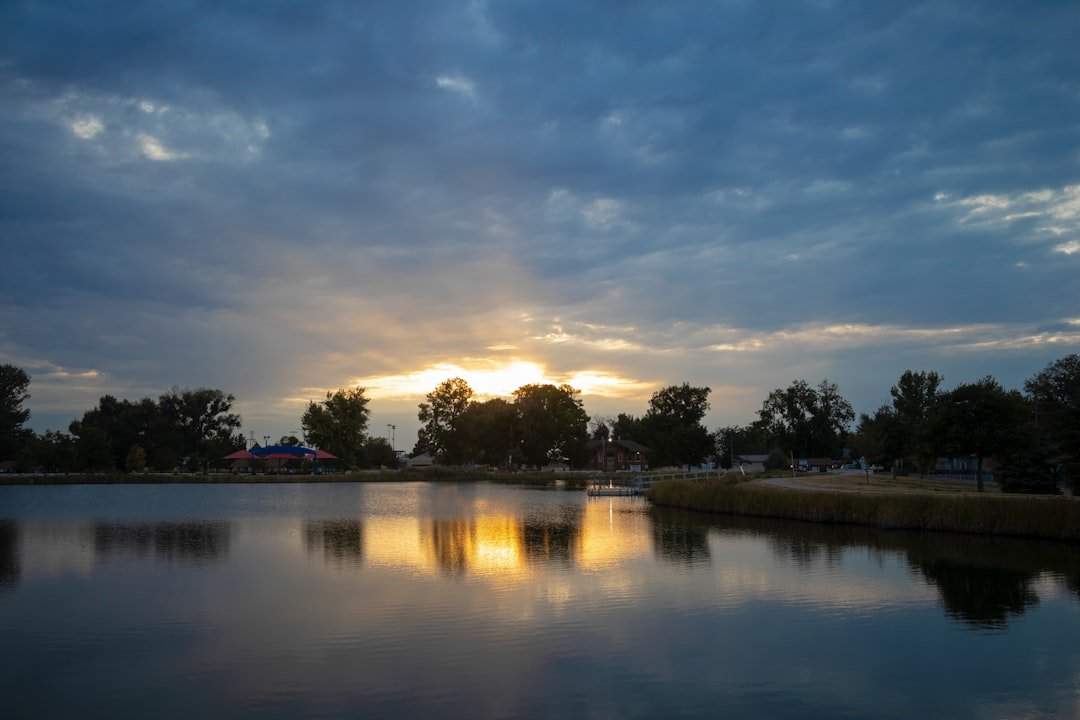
[[391, 428]]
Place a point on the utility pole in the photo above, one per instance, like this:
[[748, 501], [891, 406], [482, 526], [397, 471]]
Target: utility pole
[[390, 431]]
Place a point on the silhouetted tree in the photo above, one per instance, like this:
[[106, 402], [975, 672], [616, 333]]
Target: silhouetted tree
[[14, 391], [672, 426], [441, 434], [339, 425], [553, 424], [1055, 393], [981, 419], [806, 420]]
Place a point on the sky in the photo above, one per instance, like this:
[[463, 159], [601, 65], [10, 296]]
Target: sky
[[280, 199]]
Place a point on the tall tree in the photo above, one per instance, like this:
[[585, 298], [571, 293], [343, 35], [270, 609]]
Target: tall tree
[[490, 432], [981, 419], [339, 425], [805, 420], [877, 437], [441, 434], [913, 396], [106, 433], [14, 384], [553, 424], [673, 425], [1056, 394], [380, 453], [51, 452], [203, 421], [735, 440], [628, 427]]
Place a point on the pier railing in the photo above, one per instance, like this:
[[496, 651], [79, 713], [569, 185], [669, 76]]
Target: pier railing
[[644, 482]]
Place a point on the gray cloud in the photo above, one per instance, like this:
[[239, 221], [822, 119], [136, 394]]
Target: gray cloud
[[271, 198]]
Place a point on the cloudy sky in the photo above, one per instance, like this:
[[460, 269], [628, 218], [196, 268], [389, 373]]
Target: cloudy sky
[[278, 199]]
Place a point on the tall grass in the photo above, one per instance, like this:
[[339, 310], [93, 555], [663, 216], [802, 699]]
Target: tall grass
[[1051, 518]]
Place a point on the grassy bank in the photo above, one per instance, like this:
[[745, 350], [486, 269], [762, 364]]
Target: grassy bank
[[1051, 518], [433, 474]]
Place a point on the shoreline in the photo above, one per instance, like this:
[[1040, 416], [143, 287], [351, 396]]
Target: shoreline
[[1048, 518], [572, 481]]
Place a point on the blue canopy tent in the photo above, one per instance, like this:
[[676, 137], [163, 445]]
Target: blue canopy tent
[[283, 452]]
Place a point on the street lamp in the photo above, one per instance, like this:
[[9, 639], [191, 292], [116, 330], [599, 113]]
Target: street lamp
[[391, 429]]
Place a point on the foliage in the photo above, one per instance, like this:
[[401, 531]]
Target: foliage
[[981, 419], [136, 459], [1055, 392], [553, 424], [14, 384], [628, 427], [877, 437], [802, 420], [49, 452], [379, 453], [914, 397], [195, 424], [202, 421], [441, 434], [490, 432], [339, 425], [735, 440], [672, 426]]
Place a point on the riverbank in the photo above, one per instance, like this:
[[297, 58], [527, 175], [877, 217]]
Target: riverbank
[[1055, 518], [573, 481]]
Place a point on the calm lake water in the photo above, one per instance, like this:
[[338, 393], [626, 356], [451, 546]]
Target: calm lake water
[[476, 600]]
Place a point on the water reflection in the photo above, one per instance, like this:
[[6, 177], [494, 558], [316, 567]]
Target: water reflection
[[10, 564], [981, 582], [341, 542], [679, 542], [185, 541], [552, 542], [487, 545]]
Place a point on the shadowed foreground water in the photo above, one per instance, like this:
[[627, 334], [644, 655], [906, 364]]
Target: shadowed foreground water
[[421, 600]]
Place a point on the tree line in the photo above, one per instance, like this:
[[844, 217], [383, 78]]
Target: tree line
[[1032, 435], [183, 429], [546, 424]]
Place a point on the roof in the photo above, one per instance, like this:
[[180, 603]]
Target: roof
[[628, 444], [753, 458]]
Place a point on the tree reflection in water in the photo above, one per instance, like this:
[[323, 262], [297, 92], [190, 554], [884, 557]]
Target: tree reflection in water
[[10, 566], [982, 582], [552, 541], [678, 541], [186, 541], [341, 542]]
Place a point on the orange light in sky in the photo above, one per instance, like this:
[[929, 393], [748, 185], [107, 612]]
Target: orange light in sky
[[495, 378]]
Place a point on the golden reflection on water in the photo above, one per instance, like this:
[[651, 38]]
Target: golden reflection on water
[[610, 536], [505, 545]]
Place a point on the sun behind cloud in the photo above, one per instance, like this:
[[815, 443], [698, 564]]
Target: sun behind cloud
[[496, 378]]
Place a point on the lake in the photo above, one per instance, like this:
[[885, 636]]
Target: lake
[[481, 600]]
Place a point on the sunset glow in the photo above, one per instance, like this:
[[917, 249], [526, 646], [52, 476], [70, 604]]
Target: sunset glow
[[496, 378]]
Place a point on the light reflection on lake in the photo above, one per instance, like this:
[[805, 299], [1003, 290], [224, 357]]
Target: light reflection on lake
[[482, 600]]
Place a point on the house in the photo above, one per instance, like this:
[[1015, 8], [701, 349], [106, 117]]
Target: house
[[617, 456], [420, 461], [751, 463]]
